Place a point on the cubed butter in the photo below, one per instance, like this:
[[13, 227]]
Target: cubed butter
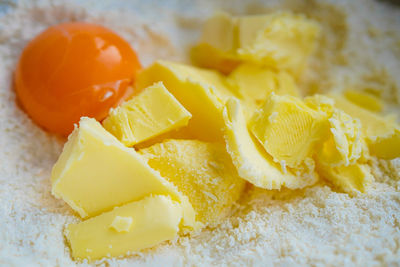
[[129, 228], [201, 92], [202, 171], [96, 172], [250, 159], [288, 129], [153, 112]]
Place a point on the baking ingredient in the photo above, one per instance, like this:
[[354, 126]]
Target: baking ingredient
[[151, 113], [202, 171], [96, 172], [365, 100], [288, 129], [251, 160], [200, 91], [147, 222], [382, 133], [254, 84], [280, 40], [72, 70]]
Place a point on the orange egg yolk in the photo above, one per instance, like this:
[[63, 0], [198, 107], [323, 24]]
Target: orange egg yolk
[[72, 70]]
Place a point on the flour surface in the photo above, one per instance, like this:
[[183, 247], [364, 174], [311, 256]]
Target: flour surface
[[316, 226]]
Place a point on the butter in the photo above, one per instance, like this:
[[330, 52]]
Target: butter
[[202, 171], [255, 83], [121, 224], [202, 92], [351, 179], [153, 112], [96, 172], [364, 100], [282, 41], [345, 141], [382, 134], [288, 129], [250, 159], [129, 228]]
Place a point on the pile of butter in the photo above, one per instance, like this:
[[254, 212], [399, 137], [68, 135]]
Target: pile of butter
[[178, 155]]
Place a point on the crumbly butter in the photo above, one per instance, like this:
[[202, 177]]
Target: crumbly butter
[[129, 228], [282, 41], [202, 171], [250, 159], [293, 132], [153, 112]]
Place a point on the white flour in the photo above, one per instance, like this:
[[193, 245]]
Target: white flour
[[315, 226]]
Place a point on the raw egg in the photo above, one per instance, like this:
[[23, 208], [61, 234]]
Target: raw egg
[[72, 70]]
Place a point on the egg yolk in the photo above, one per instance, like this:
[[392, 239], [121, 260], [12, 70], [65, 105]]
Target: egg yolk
[[72, 70]]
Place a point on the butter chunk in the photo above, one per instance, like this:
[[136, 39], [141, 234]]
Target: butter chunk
[[202, 92], [153, 112], [255, 83], [364, 100], [345, 144], [250, 159], [288, 129], [96, 172], [283, 41], [129, 228], [382, 134], [351, 179], [202, 171]]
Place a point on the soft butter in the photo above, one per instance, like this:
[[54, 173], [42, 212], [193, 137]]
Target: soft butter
[[129, 228], [202, 171], [153, 112], [96, 172]]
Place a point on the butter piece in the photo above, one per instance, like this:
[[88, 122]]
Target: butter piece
[[345, 142], [382, 134], [351, 179], [255, 83], [201, 92], [283, 41], [121, 224], [288, 129], [364, 100], [201, 171], [129, 228], [96, 172], [153, 112], [250, 159]]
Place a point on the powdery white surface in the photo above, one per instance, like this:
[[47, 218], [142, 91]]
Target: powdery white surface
[[315, 226]]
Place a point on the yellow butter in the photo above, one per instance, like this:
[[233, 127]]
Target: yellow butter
[[201, 92], [129, 228], [283, 41], [288, 129], [121, 224], [96, 172], [153, 112], [382, 134], [255, 83], [345, 141], [351, 179], [201, 171], [250, 159], [365, 100]]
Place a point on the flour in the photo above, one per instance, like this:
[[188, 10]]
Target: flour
[[314, 226]]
